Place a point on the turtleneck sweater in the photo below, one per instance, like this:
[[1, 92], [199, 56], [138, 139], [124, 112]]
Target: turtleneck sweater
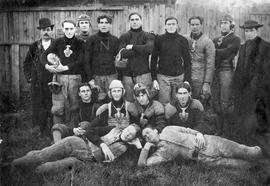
[[138, 56], [171, 56], [101, 49], [71, 54]]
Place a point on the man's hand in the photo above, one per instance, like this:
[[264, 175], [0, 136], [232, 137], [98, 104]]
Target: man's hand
[[107, 152], [200, 140], [78, 131], [50, 68], [129, 47], [92, 83], [61, 68], [148, 145], [206, 90], [155, 85]]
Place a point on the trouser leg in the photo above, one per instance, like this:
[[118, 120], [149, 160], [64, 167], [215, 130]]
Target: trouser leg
[[196, 89], [222, 147], [175, 82], [58, 166], [128, 85], [164, 89], [64, 148], [72, 102], [228, 162]]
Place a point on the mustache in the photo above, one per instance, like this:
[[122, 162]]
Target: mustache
[[46, 34]]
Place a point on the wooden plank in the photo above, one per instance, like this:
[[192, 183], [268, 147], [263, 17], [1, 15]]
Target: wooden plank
[[15, 73], [74, 8], [7, 66], [24, 86], [2, 69]]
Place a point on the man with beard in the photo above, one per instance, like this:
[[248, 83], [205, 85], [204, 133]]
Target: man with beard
[[170, 62], [136, 46], [39, 77], [227, 46]]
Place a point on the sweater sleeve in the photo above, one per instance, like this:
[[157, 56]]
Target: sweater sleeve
[[210, 61], [160, 116], [123, 42], [232, 48], [142, 162], [187, 60], [183, 130], [88, 58], [154, 59], [28, 62], [94, 134], [155, 159], [146, 48], [80, 60]]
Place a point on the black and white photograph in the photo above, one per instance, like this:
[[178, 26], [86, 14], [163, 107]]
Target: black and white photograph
[[134, 92]]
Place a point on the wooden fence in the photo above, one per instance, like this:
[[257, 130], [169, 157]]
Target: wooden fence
[[18, 29]]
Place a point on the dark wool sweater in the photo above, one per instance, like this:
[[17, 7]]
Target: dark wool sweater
[[171, 56], [100, 51], [153, 115], [87, 111], [226, 51], [194, 118], [75, 61], [138, 57]]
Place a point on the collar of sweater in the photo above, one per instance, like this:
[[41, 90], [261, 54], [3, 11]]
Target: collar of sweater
[[84, 33], [196, 36], [103, 34], [69, 41], [119, 103], [86, 103], [136, 30], [171, 35]]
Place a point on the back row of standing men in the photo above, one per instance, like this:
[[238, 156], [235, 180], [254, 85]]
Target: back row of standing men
[[206, 64]]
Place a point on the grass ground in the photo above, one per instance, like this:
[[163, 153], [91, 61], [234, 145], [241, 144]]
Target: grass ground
[[20, 137]]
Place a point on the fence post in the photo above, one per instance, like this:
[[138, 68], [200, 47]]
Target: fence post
[[15, 73]]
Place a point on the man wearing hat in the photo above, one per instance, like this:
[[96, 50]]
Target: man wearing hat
[[38, 76], [227, 46], [251, 82], [84, 24], [151, 112]]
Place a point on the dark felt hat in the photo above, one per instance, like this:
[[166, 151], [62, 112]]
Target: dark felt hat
[[44, 23], [251, 24]]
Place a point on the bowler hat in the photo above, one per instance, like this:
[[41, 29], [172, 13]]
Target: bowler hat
[[251, 24], [44, 23]]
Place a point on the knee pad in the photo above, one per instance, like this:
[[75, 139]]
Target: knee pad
[[63, 129], [57, 110]]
